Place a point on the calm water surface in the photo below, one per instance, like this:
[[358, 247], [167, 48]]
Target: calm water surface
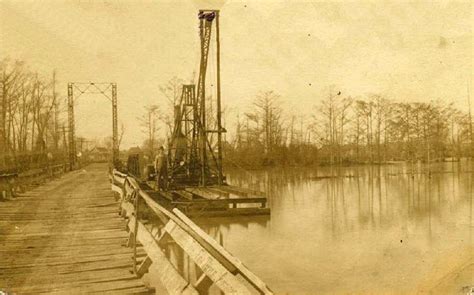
[[379, 229]]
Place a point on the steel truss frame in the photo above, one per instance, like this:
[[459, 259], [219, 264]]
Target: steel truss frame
[[108, 90]]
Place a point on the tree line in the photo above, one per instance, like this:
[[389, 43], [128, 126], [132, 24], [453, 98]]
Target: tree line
[[29, 117], [347, 130], [340, 130]]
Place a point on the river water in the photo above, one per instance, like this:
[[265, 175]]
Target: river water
[[393, 229]]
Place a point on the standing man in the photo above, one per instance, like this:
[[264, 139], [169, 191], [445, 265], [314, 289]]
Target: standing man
[[161, 169]]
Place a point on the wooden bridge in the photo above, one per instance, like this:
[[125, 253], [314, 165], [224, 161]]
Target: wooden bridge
[[67, 237]]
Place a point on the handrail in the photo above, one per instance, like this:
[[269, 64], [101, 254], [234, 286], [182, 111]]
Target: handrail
[[219, 266], [12, 182], [243, 270]]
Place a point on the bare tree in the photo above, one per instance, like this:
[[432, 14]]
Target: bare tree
[[172, 92], [149, 124], [268, 110]]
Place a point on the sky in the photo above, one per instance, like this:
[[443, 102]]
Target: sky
[[406, 51]]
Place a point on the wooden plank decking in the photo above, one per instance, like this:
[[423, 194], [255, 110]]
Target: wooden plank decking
[[66, 237]]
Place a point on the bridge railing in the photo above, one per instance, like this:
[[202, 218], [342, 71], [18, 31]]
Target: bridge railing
[[186, 259], [12, 182]]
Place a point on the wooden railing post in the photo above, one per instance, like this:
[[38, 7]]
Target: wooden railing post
[[137, 206]]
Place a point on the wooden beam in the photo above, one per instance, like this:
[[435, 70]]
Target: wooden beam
[[203, 193], [203, 284], [184, 194], [118, 190], [229, 212], [128, 208], [168, 274], [222, 201], [240, 190], [241, 268], [167, 195], [218, 191], [144, 266], [158, 209], [223, 279]]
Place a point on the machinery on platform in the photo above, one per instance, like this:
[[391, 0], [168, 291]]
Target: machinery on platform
[[196, 183], [195, 159]]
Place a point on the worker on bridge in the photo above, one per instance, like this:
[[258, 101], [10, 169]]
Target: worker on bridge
[[161, 169]]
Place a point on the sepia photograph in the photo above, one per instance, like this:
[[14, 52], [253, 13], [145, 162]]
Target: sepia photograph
[[236, 147]]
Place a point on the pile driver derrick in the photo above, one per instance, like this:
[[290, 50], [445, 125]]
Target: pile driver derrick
[[195, 183], [192, 154]]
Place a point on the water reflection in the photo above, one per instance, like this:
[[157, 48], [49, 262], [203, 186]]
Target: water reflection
[[354, 230]]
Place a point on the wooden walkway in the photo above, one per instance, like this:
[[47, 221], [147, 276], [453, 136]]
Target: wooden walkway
[[66, 237]]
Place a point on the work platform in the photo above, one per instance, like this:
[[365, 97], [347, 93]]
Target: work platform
[[66, 237], [212, 201]]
